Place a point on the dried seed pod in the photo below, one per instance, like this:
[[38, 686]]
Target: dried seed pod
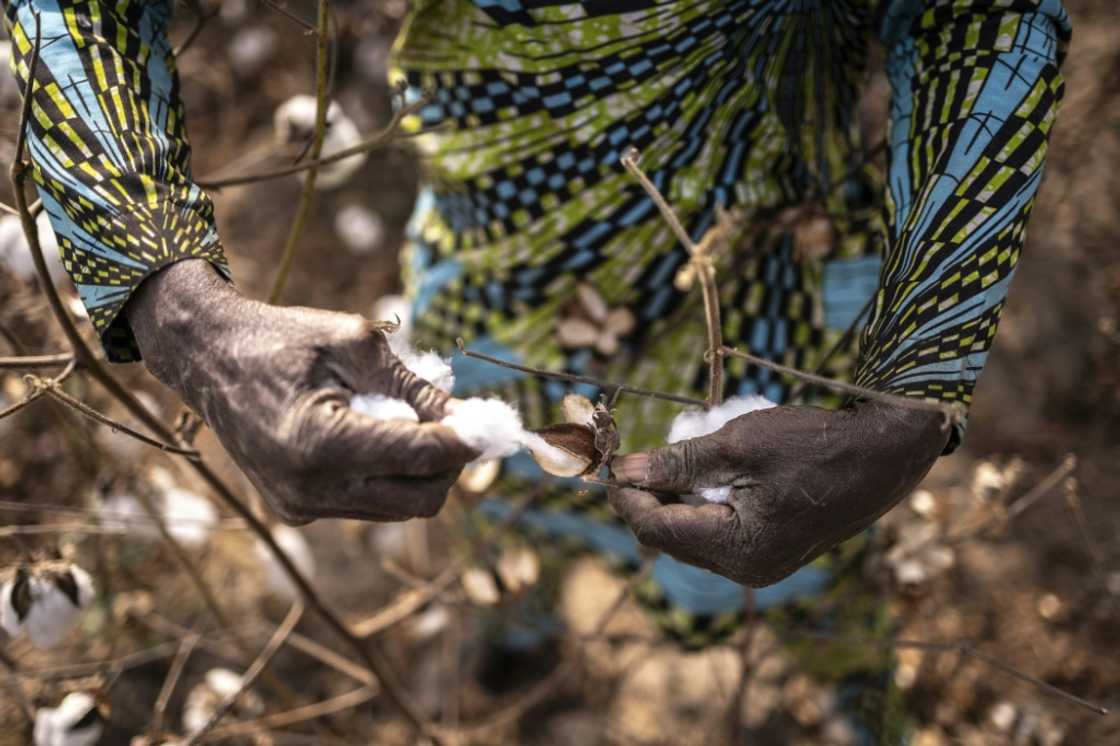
[[564, 450]]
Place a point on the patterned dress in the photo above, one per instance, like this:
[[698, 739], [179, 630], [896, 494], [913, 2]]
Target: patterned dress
[[531, 241]]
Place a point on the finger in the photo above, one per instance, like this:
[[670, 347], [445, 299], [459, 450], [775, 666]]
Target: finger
[[346, 441], [694, 534], [428, 401], [679, 467]]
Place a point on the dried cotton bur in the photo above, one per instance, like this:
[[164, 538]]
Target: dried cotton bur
[[77, 721]]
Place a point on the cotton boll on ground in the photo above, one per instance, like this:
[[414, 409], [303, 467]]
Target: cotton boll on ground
[[696, 423], [45, 602], [383, 408], [489, 426], [295, 546], [294, 122], [59, 726]]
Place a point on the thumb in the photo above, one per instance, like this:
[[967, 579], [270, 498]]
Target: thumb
[[675, 468]]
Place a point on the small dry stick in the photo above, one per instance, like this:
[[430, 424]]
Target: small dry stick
[[384, 137], [186, 647], [57, 360], [701, 259], [270, 649], [322, 102], [954, 412], [612, 388]]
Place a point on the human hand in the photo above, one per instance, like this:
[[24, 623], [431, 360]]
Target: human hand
[[274, 383], [803, 478]]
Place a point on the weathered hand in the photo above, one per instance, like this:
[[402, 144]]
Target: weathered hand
[[274, 384], [804, 480]]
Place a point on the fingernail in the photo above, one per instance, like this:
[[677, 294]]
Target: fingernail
[[633, 468]]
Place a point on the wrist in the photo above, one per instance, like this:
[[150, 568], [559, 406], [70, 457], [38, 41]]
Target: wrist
[[177, 314]]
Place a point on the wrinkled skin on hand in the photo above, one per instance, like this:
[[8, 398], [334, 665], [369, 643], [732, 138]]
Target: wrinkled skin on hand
[[274, 383], [804, 480]]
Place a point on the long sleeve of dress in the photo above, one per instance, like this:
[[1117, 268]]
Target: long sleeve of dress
[[976, 89], [109, 151]]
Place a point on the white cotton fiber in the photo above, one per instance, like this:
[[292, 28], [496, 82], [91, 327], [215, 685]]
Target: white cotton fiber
[[431, 367], [489, 426], [715, 494], [696, 423], [383, 408]]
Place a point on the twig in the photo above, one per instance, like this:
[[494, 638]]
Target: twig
[[298, 715], [572, 378], [963, 648], [13, 676], [271, 647], [36, 361], [701, 260], [202, 17], [738, 700], [186, 647], [375, 141], [953, 412], [289, 15], [62, 396], [322, 102]]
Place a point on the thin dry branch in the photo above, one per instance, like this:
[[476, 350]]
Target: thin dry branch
[[279, 637], [322, 102], [384, 137], [611, 388], [701, 260], [56, 360], [953, 412], [186, 647]]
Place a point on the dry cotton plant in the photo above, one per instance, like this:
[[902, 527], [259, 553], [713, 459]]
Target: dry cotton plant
[[42, 598]]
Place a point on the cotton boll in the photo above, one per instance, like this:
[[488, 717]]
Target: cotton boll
[[294, 122], [77, 721], [383, 408], [295, 546], [431, 367], [489, 426], [15, 252], [696, 423], [362, 230], [205, 698], [190, 517], [45, 602], [251, 48]]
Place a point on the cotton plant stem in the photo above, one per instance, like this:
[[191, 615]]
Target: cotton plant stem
[[322, 103], [700, 257], [279, 637], [370, 655], [186, 647], [384, 137], [57, 360], [613, 388], [953, 412]]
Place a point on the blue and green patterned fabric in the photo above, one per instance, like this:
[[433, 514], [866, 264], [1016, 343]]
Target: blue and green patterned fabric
[[528, 227]]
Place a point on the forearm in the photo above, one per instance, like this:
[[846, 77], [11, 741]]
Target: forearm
[[969, 132], [109, 152]]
